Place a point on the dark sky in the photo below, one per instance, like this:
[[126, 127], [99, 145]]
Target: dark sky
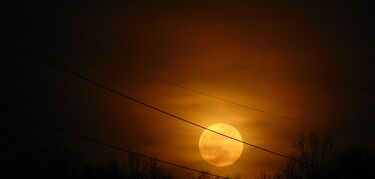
[[101, 39]]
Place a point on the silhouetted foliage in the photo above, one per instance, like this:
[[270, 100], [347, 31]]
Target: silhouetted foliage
[[29, 166], [318, 158], [33, 166]]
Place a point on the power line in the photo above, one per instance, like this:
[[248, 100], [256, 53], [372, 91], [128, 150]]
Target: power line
[[222, 99], [245, 41], [218, 98], [82, 137], [83, 78], [280, 116], [44, 150]]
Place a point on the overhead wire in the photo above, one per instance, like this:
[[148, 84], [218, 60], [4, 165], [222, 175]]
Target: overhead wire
[[218, 98], [98, 142], [221, 99], [243, 40], [44, 150], [36, 57]]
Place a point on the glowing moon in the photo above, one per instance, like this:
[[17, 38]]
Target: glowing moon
[[219, 150]]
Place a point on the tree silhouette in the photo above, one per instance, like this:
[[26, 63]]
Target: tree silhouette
[[318, 158], [38, 167]]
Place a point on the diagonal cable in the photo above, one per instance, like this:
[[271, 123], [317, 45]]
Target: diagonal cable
[[245, 41], [35, 57], [92, 140]]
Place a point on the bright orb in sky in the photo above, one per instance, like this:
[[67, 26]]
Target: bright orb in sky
[[219, 150]]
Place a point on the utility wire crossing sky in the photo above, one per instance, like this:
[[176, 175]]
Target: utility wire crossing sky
[[45, 61], [106, 145]]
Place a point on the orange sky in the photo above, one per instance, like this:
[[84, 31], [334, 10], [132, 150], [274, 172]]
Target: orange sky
[[101, 39]]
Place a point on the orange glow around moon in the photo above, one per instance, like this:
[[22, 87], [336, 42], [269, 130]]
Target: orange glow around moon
[[219, 150]]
